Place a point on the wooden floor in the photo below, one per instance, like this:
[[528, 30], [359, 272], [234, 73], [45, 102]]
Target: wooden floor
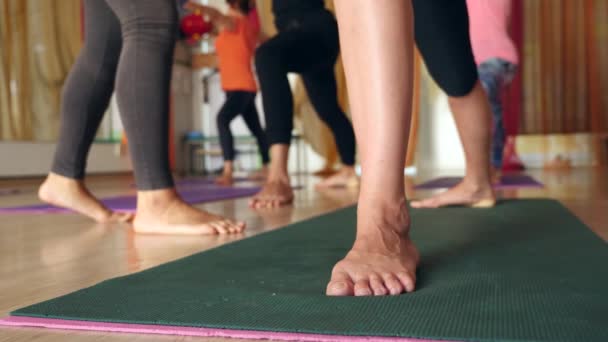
[[44, 256]]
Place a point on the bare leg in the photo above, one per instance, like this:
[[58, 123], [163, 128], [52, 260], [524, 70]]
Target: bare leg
[[378, 34], [277, 191], [473, 120]]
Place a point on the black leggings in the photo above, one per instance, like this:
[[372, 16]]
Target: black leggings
[[441, 29], [128, 49], [309, 47], [240, 102]]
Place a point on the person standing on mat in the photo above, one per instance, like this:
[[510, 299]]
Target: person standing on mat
[[497, 59], [235, 46], [128, 49], [383, 258], [307, 43], [441, 32]]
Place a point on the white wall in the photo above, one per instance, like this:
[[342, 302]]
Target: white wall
[[183, 120], [438, 142], [24, 159]]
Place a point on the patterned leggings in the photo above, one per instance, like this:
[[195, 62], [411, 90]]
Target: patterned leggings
[[495, 74]]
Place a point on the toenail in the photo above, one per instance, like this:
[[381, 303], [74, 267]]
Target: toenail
[[339, 285]]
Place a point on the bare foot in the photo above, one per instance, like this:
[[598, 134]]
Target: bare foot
[[225, 180], [383, 259], [275, 193], [164, 212], [345, 177], [260, 174], [72, 194], [462, 194], [226, 177]]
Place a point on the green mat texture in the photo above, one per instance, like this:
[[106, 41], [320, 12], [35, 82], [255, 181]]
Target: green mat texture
[[526, 270]]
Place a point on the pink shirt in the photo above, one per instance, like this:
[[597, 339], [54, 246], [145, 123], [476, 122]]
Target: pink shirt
[[489, 27], [254, 21]]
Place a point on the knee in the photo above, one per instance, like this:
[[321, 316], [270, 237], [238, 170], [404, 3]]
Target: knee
[[455, 74], [457, 84]]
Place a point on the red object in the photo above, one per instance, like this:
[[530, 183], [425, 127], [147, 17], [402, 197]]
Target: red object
[[194, 26], [254, 21], [513, 104], [511, 161]]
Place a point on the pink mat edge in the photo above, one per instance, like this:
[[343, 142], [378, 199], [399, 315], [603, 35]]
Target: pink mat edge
[[17, 210], [52, 323]]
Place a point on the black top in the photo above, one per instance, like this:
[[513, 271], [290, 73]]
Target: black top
[[288, 10]]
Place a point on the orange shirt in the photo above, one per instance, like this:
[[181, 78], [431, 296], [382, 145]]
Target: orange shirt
[[235, 51]]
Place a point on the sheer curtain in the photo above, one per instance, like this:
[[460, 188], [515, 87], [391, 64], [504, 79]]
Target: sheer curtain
[[39, 41], [565, 66]]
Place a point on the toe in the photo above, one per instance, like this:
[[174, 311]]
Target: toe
[[377, 286], [219, 227], [240, 226], [340, 285], [258, 204], [362, 288], [393, 284], [235, 227], [253, 203], [262, 203], [227, 226], [407, 280]]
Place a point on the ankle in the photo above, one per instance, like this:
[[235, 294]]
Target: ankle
[[228, 168], [278, 175], [477, 184], [63, 180], [382, 218], [156, 200]]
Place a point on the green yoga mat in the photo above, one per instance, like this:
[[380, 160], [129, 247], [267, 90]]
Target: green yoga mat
[[527, 270]]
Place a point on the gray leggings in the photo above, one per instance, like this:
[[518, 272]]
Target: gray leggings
[[128, 49]]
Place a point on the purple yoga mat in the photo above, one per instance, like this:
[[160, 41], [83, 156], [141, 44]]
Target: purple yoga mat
[[128, 203], [508, 181], [205, 181], [16, 321]]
